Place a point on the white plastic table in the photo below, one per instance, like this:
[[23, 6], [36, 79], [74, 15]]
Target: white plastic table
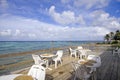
[[47, 56]]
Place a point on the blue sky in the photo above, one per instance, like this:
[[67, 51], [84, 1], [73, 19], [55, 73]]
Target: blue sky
[[71, 20]]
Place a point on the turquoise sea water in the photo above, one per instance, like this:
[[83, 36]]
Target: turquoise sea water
[[23, 46]]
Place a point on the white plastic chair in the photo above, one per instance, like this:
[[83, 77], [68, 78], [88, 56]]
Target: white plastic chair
[[81, 71], [37, 72], [95, 58], [73, 52], [82, 54], [116, 51], [38, 61], [95, 65], [58, 58]]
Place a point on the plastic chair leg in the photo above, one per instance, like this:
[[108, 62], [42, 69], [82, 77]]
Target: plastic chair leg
[[55, 64]]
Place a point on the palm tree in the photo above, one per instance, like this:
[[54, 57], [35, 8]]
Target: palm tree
[[107, 37], [117, 35], [117, 31], [111, 35]]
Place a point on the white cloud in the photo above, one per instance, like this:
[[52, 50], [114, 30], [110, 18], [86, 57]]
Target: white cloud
[[17, 32], [66, 17], [31, 35], [91, 3], [5, 32], [100, 31], [97, 18], [79, 19], [86, 4], [103, 19], [115, 23], [29, 29], [82, 22]]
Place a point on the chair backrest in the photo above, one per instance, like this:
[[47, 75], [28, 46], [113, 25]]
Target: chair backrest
[[116, 48], [79, 47], [75, 65], [82, 51], [37, 72], [95, 58], [59, 53], [70, 49], [80, 70], [36, 58]]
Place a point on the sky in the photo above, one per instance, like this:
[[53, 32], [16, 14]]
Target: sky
[[58, 20]]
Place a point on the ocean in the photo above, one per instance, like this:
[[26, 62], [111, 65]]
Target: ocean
[[7, 47]]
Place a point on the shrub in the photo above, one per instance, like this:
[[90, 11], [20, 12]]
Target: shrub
[[115, 42]]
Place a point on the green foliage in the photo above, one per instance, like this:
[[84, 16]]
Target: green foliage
[[114, 42], [107, 37], [117, 36], [113, 37]]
